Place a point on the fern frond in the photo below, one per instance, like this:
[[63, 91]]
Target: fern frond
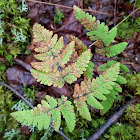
[[80, 102], [54, 68], [92, 92], [55, 112], [48, 45], [97, 30], [110, 98], [85, 19], [116, 88], [66, 54], [41, 34], [110, 36]]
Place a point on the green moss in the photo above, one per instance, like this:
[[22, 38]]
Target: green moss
[[136, 3], [126, 29], [6, 103], [14, 28], [133, 117], [133, 82], [119, 132]]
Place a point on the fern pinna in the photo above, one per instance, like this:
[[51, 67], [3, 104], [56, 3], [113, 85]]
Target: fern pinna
[[100, 33], [59, 63], [54, 55]]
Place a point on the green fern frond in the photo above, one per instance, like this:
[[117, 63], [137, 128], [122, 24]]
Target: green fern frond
[[112, 50], [55, 112], [54, 68], [37, 117], [116, 88], [96, 29], [98, 89], [116, 49], [99, 32], [85, 19]]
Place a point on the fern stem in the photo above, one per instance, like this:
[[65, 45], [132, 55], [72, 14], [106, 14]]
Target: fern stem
[[20, 96], [111, 121]]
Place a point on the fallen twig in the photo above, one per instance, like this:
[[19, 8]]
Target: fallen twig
[[63, 6], [110, 122], [23, 64], [20, 96]]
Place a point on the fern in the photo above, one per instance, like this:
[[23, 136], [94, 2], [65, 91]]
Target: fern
[[52, 69], [59, 63], [99, 32], [89, 93]]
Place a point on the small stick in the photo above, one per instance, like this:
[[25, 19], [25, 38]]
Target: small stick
[[110, 122], [115, 13], [34, 1], [23, 64], [117, 24], [20, 96]]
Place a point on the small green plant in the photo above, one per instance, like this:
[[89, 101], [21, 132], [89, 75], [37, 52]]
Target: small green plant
[[86, 2], [14, 28], [58, 16], [119, 132], [128, 27], [133, 114], [135, 3], [133, 82], [6, 103], [11, 134], [59, 64]]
